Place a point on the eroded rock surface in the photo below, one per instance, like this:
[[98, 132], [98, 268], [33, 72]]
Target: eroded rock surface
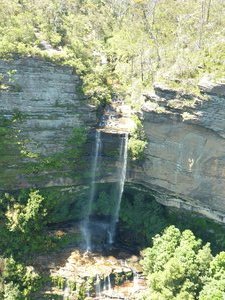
[[97, 276], [185, 157], [44, 103], [185, 160]]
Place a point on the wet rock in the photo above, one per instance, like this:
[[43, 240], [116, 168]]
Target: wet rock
[[95, 275]]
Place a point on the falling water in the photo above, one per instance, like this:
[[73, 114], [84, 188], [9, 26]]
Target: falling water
[[103, 289], [135, 281], [66, 293], [86, 225], [122, 177], [98, 286], [109, 283]]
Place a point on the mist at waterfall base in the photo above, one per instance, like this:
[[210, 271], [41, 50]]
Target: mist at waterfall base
[[101, 232]]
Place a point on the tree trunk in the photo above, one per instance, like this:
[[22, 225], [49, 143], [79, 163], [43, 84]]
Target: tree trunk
[[208, 11]]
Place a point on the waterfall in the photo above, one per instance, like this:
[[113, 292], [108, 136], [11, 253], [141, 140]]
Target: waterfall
[[103, 289], [135, 281], [95, 160], [122, 177], [98, 286], [66, 293], [109, 283]]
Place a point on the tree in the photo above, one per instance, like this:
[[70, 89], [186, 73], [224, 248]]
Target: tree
[[17, 281], [27, 218], [22, 221], [215, 284], [176, 265]]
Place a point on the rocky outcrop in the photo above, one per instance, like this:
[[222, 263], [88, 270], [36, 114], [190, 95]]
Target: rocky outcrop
[[114, 275], [185, 158], [41, 103]]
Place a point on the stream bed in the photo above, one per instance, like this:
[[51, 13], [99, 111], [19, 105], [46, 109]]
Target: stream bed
[[110, 273]]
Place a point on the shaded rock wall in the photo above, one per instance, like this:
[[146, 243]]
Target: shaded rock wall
[[48, 103], [43, 102]]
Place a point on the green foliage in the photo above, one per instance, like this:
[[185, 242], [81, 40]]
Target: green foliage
[[8, 140], [58, 281], [75, 144], [117, 46], [22, 222], [141, 215], [137, 142], [104, 204], [17, 281], [136, 148], [215, 284], [203, 228], [178, 266], [26, 218], [74, 153]]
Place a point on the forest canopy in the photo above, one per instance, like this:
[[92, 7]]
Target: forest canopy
[[120, 47], [179, 266]]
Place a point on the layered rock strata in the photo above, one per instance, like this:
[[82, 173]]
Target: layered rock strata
[[41, 103], [185, 158]]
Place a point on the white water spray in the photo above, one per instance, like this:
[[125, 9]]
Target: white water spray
[[122, 177], [66, 293], [95, 162], [109, 283], [135, 281], [98, 286]]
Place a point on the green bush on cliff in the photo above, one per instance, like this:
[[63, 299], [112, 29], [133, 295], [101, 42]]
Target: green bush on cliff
[[73, 153], [75, 144], [137, 142], [136, 148]]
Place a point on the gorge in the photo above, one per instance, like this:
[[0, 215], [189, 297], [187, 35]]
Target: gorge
[[112, 165], [44, 105], [56, 143]]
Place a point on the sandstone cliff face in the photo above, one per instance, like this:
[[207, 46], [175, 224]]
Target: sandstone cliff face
[[49, 104], [185, 158]]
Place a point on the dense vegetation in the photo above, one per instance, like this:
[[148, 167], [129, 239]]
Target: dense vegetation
[[120, 47], [17, 282], [143, 218], [179, 266], [23, 233]]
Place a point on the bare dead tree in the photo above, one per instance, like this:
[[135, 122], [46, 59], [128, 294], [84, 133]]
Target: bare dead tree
[[208, 11], [202, 23], [152, 36], [204, 19]]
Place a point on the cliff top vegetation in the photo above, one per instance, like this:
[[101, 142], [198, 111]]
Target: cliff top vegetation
[[120, 48]]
